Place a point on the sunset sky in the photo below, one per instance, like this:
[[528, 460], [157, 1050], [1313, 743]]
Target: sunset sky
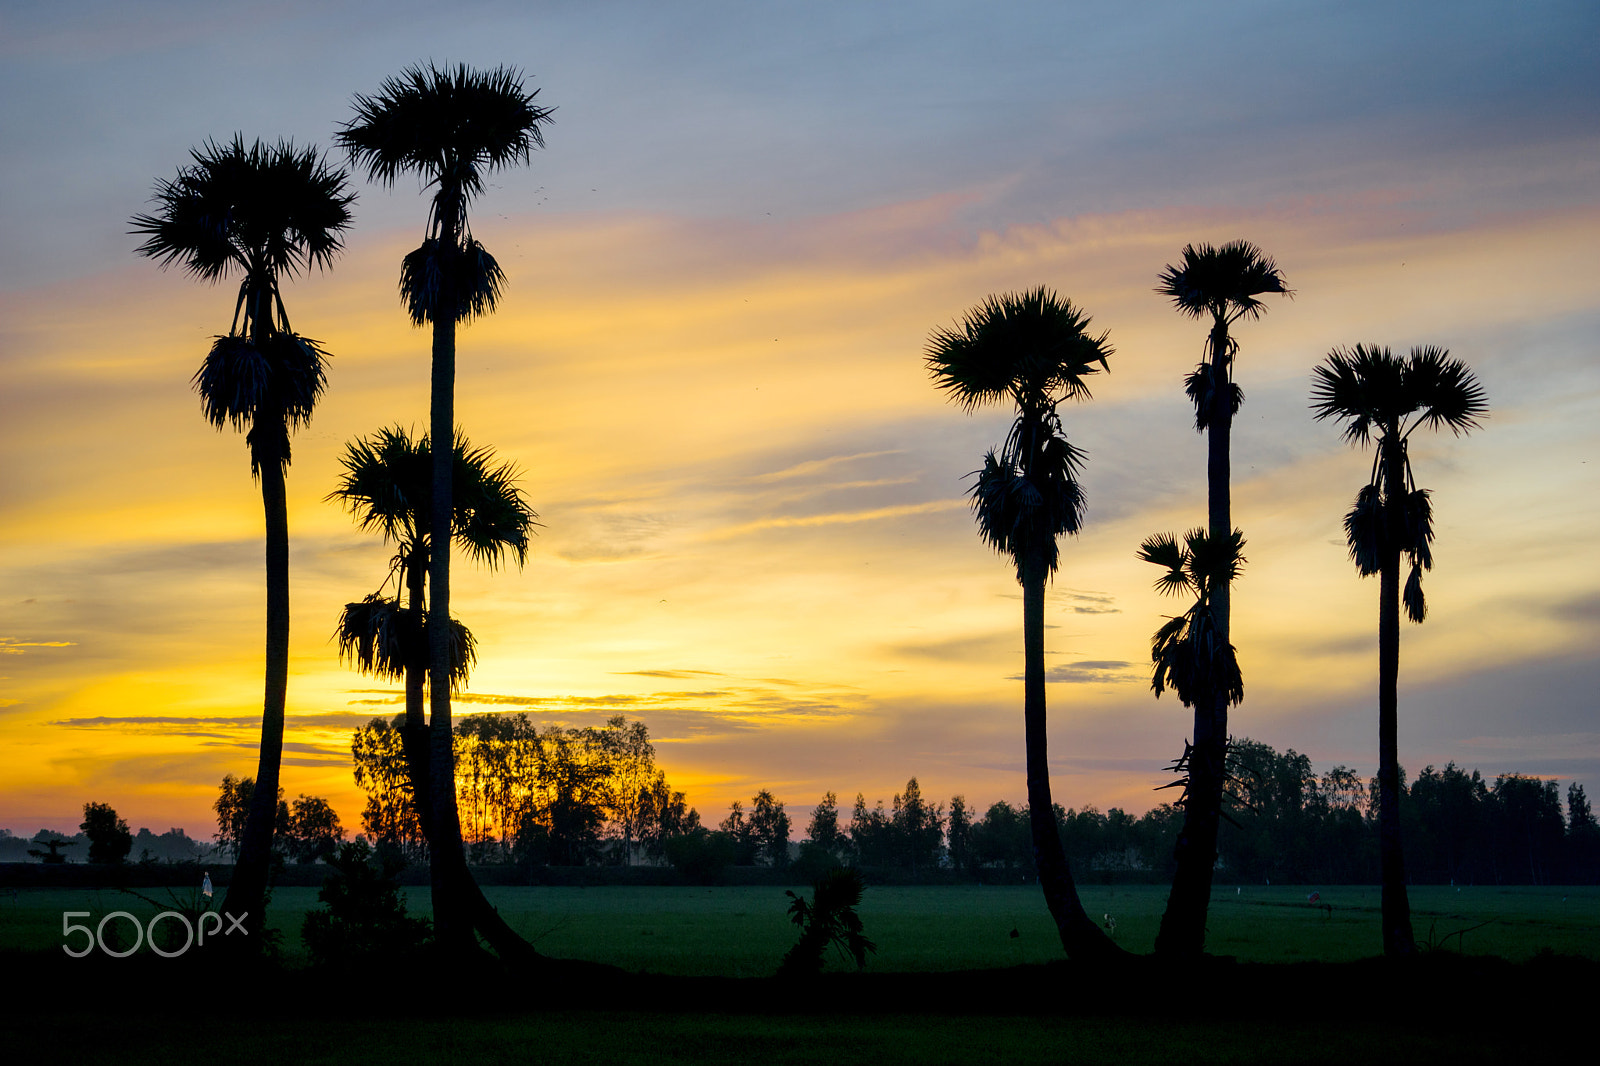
[[707, 365]]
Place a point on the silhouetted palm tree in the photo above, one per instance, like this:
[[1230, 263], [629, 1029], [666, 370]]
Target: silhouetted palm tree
[[1376, 394], [387, 485], [1034, 350], [1186, 655], [452, 127], [263, 213], [1223, 283]]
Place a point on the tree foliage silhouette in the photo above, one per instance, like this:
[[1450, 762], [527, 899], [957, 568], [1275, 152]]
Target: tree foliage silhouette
[[387, 486], [1186, 654], [1034, 350], [110, 840], [452, 127], [263, 213], [1223, 284], [829, 917], [1382, 399]]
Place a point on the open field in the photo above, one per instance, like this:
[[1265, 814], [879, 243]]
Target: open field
[[949, 984], [744, 931], [707, 1039]]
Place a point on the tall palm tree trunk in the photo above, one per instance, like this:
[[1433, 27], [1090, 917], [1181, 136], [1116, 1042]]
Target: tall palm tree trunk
[[447, 858], [1397, 935], [1183, 924], [414, 737], [1080, 936], [246, 897], [458, 903]]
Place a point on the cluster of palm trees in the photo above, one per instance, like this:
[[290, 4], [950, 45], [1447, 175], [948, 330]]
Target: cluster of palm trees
[[1035, 350], [265, 213]]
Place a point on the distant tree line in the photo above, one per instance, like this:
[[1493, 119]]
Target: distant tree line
[[557, 796], [305, 831], [593, 795], [105, 839]]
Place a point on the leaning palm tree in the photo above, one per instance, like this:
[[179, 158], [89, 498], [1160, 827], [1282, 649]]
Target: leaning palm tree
[[1378, 395], [263, 213], [1222, 283], [1034, 350], [387, 486], [452, 127]]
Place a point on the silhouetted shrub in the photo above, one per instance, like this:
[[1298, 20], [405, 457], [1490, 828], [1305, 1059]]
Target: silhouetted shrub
[[829, 918], [365, 918]]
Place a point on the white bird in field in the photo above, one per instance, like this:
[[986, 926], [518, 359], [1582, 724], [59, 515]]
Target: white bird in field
[[205, 885]]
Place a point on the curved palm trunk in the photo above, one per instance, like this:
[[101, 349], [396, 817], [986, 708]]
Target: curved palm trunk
[[1183, 924], [1397, 935], [246, 897], [1080, 936]]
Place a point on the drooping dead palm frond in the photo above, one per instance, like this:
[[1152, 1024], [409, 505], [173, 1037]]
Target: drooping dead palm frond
[[478, 279], [381, 638]]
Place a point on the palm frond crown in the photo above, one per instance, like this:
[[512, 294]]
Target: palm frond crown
[[1382, 398], [268, 209], [1222, 282], [451, 126], [1034, 349], [387, 486]]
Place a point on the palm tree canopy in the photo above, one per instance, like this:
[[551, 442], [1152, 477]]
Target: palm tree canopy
[[1187, 653], [388, 485], [1033, 348], [1377, 394], [1223, 282], [262, 209], [1025, 346], [1368, 387], [451, 126], [261, 212]]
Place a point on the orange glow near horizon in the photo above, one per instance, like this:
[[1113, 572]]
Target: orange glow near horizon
[[755, 533]]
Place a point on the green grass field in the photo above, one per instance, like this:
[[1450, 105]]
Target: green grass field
[[743, 932], [91, 1015]]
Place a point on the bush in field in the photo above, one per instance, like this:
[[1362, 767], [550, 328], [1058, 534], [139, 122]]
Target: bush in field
[[829, 918], [365, 917]]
